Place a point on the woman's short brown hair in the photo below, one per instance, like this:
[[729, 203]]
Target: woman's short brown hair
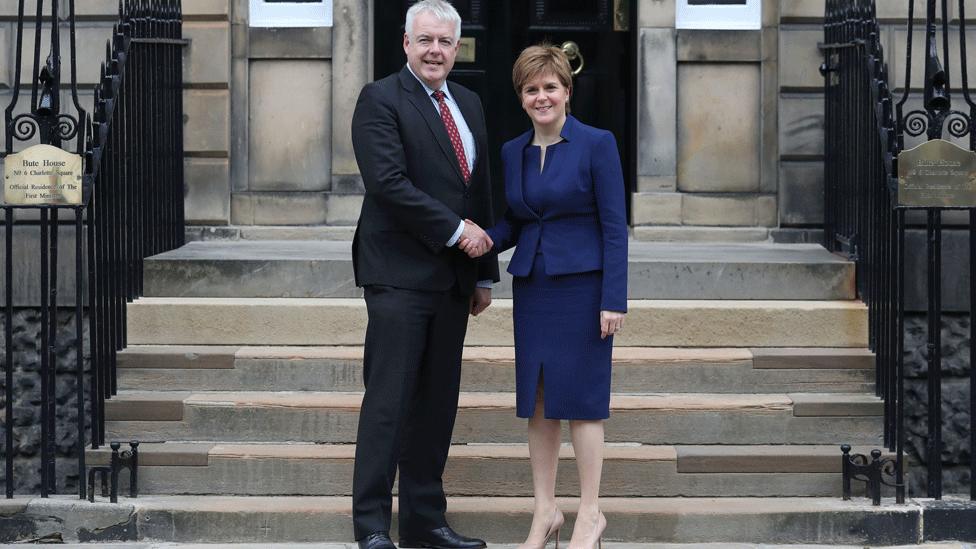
[[542, 59]]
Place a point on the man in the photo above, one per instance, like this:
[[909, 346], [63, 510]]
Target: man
[[421, 146]]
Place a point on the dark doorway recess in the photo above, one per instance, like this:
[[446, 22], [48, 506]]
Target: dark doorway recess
[[493, 32]]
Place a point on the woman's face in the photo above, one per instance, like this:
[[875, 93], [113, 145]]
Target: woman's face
[[544, 99]]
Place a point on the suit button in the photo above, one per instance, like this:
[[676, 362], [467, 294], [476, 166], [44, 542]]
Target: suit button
[[467, 194]]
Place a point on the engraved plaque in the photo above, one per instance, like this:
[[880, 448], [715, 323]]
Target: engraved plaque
[[42, 175], [937, 174], [466, 52]]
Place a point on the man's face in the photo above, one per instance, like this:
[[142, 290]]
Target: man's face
[[431, 49]]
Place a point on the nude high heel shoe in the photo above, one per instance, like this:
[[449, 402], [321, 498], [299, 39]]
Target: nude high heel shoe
[[601, 525], [553, 530]]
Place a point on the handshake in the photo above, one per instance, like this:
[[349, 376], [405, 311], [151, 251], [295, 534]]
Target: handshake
[[474, 240]]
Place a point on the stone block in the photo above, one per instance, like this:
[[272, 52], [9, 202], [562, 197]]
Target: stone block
[[719, 45], [651, 183], [289, 42], [718, 130], [656, 208], [801, 129], [655, 13], [343, 209], [351, 68], [210, 9], [290, 125], [769, 111], [90, 41], [801, 193], [725, 210], [281, 208], [766, 214], [6, 56], [207, 199], [770, 14], [27, 264], [800, 59], [657, 103], [108, 9], [206, 120], [207, 59], [806, 11]]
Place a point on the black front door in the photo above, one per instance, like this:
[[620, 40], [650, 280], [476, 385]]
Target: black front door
[[493, 32]]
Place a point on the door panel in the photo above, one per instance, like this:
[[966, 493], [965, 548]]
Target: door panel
[[604, 92]]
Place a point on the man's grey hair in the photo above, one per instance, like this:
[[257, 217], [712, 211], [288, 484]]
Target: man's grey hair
[[441, 10]]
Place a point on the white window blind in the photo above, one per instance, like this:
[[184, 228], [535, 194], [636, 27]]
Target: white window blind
[[718, 14], [290, 13]]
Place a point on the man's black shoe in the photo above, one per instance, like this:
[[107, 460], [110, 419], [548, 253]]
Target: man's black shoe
[[441, 538], [377, 540]]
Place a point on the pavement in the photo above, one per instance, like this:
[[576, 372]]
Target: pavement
[[144, 545]]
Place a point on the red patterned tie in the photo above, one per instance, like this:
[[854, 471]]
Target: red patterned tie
[[453, 133]]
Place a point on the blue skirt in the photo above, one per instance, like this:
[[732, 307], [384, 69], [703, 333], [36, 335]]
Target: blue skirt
[[557, 341]]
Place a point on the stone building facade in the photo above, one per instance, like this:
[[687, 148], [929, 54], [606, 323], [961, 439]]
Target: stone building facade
[[729, 131]]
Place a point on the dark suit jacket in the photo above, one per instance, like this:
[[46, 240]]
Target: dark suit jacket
[[584, 224], [415, 194]]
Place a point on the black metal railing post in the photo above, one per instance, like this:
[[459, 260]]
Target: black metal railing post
[[131, 146], [864, 218]]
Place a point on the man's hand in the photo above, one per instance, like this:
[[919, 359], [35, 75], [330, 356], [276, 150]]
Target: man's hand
[[480, 300], [474, 240], [610, 323]]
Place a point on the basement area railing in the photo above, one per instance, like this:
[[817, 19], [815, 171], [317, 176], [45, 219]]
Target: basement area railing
[[129, 205], [872, 181]]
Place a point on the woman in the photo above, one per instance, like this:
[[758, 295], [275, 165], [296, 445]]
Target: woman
[[567, 219]]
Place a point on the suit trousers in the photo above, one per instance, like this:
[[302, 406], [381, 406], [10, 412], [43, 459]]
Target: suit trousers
[[412, 374]]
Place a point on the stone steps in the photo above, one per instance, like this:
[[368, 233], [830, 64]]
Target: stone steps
[[630, 470], [332, 417], [650, 323], [230, 519], [656, 271], [492, 369]]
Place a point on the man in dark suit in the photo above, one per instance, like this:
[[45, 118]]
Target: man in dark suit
[[421, 146]]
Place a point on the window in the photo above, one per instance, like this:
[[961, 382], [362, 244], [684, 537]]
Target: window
[[290, 13], [719, 14]]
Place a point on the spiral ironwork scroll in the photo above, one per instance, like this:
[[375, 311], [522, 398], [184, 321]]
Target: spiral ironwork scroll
[[67, 127], [24, 127], [958, 124], [918, 122]]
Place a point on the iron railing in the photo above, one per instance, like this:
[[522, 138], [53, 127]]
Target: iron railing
[[132, 145], [865, 130]]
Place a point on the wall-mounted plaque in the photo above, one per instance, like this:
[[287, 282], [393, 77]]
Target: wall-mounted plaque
[[42, 175], [466, 50], [937, 174]]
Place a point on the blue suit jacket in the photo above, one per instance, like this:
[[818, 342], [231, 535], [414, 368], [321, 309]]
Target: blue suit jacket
[[583, 227]]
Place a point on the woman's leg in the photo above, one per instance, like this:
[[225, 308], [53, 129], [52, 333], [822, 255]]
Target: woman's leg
[[544, 438], [588, 446]]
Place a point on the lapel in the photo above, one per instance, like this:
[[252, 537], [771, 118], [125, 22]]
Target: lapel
[[418, 97], [516, 170]]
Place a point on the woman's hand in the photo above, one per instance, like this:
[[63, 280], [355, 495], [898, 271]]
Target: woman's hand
[[610, 323]]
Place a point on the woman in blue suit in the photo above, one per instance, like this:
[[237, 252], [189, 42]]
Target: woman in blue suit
[[567, 220]]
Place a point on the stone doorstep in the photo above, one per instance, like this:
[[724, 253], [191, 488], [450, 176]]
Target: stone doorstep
[[322, 519], [341, 321], [732, 459], [163, 406], [223, 357]]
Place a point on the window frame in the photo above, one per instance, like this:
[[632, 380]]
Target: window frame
[[719, 17], [289, 14]]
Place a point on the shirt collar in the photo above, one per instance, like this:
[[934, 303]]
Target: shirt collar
[[427, 89]]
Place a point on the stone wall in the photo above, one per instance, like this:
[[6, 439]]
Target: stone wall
[[27, 399], [955, 401]]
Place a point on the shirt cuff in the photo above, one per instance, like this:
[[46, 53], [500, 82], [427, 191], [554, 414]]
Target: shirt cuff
[[484, 284], [457, 235]]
